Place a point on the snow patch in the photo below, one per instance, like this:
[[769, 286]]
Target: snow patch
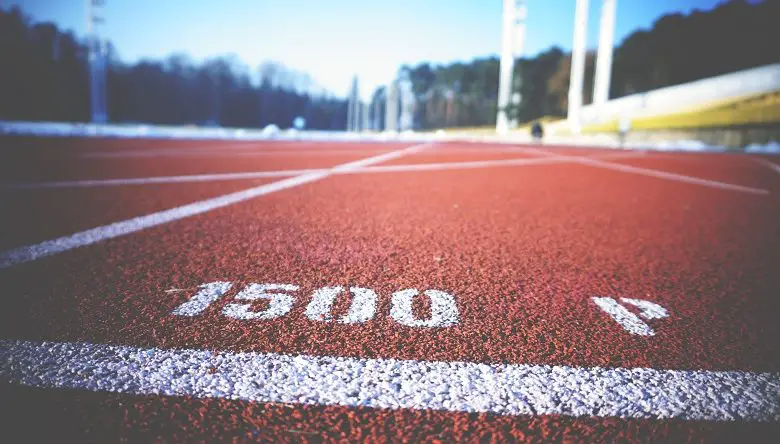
[[683, 145], [273, 132], [772, 147], [270, 130]]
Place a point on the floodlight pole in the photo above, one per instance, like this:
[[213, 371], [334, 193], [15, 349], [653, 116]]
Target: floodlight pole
[[577, 64], [405, 103], [391, 107], [604, 56], [96, 65], [353, 107], [512, 36], [364, 107]]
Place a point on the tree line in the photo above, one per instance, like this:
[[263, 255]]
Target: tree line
[[44, 77], [678, 48]]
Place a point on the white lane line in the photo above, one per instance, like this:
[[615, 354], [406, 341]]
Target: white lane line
[[655, 173], [29, 253], [287, 173], [672, 176], [457, 165], [502, 389], [485, 163], [223, 153], [160, 179], [490, 149], [765, 162], [348, 167], [161, 146]]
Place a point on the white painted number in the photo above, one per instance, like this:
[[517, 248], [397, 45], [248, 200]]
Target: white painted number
[[444, 311], [362, 309], [628, 320], [279, 304], [207, 295]]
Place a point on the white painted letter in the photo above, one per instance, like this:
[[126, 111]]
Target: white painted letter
[[444, 312], [279, 304], [629, 321], [362, 309], [207, 295], [650, 310]]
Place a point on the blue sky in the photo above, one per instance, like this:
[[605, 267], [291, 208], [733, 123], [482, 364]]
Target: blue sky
[[334, 39]]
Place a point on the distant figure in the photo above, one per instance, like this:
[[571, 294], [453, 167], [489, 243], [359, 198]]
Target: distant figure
[[624, 126], [537, 132]]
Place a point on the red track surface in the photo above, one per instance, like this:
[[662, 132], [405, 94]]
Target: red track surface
[[523, 249], [106, 204], [49, 160]]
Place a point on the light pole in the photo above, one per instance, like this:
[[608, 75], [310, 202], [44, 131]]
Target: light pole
[[391, 107], [577, 64], [603, 60], [353, 107], [406, 103], [604, 56], [96, 63], [513, 34]]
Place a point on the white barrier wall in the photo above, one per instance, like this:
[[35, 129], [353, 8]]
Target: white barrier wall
[[687, 95]]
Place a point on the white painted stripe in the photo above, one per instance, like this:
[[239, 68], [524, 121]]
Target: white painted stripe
[[36, 251], [351, 166], [485, 163], [629, 321], [656, 173], [161, 147], [287, 173], [458, 165], [765, 162], [502, 389], [472, 149], [162, 179], [672, 176], [226, 153], [619, 154]]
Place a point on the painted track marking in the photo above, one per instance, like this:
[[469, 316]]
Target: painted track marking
[[208, 294], [288, 173], [231, 152], [672, 176], [654, 173], [629, 321], [483, 163], [765, 162], [362, 308], [160, 179], [444, 310], [502, 389], [29, 253]]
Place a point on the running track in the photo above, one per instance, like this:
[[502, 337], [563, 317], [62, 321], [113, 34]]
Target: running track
[[201, 290]]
